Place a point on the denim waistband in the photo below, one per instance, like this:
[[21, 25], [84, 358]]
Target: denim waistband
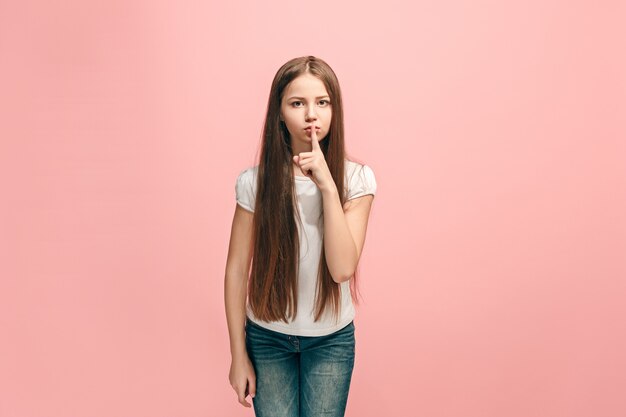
[[257, 326]]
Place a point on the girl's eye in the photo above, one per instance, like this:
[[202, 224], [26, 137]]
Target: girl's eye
[[321, 101]]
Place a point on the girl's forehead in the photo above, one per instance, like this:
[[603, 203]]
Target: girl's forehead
[[306, 85]]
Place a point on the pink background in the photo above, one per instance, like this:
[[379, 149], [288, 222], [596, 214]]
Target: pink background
[[494, 273]]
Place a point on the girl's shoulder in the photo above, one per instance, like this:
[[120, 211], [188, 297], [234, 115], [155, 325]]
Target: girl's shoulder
[[360, 179], [245, 190], [248, 174], [354, 166]]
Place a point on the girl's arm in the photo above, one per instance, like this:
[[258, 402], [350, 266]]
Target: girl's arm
[[241, 375], [236, 279], [344, 227], [344, 232]]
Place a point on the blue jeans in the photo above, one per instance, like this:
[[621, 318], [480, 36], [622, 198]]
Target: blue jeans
[[300, 376]]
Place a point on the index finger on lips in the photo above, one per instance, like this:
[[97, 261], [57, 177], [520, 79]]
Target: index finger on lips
[[314, 140]]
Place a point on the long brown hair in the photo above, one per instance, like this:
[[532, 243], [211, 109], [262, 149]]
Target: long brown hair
[[273, 286]]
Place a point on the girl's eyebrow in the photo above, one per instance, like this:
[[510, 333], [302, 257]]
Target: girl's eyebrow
[[302, 98]]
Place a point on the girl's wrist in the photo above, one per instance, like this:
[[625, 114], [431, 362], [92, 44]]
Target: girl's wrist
[[329, 190], [238, 353], [238, 348]]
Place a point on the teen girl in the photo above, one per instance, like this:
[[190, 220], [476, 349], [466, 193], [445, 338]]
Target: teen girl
[[297, 235]]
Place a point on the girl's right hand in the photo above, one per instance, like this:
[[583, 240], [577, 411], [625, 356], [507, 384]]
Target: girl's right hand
[[242, 378]]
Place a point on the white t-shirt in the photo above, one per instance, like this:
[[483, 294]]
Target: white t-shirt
[[359, 181]]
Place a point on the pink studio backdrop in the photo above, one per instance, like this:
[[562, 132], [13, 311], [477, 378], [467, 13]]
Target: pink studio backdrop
[[493, 275]]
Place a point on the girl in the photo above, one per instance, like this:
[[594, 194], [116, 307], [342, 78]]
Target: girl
[[297, 235]]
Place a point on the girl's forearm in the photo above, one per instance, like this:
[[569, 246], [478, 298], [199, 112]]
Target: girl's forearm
[[339, 246], [235, 302]]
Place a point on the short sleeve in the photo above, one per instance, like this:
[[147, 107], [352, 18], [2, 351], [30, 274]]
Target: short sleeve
[[362, 181], [244, 189]]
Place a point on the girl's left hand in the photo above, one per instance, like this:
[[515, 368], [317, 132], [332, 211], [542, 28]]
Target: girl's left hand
[[313, 164]]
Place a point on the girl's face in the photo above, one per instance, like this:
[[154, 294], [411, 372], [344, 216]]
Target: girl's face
[[306, 103]]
